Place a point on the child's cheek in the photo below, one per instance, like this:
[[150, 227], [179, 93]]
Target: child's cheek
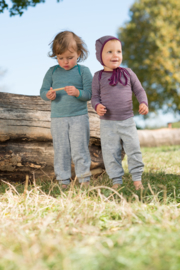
[[73, 62]]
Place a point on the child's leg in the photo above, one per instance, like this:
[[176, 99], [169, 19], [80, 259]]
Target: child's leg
[[62, 153], [79, 140], [111, 150], [131, 146]]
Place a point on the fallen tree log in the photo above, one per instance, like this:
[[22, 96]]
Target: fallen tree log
[[18, 158], [159, 137], [28, 118], [26, 142]]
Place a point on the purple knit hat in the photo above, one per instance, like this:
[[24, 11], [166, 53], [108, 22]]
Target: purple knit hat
[[116, 76]]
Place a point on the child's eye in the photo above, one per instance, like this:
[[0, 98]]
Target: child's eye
[[70, 58], [109, 51], [119, 51]]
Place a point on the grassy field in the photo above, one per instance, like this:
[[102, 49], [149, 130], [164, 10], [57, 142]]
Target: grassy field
[[95, 229]]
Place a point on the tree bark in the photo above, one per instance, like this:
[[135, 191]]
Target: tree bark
[[159, 137], [26, 142], [25, 138]]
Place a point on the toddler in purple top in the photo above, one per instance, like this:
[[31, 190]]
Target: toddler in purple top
[[112, 90]]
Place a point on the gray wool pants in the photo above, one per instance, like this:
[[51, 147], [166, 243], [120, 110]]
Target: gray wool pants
[[111, 133], [70, 140]]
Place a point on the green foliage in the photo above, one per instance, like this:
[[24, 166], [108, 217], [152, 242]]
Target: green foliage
[[18, 6], [151, 47], [176, 125]]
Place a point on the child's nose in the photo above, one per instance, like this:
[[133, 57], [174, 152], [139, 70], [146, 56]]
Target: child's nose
[[115, 54], [65, 60]]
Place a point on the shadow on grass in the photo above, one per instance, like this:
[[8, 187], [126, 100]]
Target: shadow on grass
[[157, 186]]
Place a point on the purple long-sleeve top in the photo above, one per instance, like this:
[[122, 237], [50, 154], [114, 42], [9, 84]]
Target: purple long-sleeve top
[[118, 98]]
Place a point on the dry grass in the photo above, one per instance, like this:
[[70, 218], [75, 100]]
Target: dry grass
[[95, 229]]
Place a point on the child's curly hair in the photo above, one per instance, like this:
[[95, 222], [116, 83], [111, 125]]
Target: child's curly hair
[[67, 40]]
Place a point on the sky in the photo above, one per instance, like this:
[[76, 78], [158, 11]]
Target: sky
[[24, 41]]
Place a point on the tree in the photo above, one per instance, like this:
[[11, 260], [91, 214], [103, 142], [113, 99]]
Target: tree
[[151, 47], [18, 6]]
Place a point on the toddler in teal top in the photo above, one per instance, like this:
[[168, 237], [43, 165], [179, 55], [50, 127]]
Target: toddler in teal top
[[69, 115]]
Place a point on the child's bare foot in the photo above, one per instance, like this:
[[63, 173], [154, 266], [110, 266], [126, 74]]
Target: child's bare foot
[[116, 186], [64, 186], [138, 185], [85, 184]]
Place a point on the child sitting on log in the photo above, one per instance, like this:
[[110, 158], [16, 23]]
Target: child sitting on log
[[112, 90], [69, 115]]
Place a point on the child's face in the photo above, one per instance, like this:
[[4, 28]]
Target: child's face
[[68, 59], [112, 55]]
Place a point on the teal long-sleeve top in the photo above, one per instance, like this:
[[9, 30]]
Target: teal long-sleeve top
[[65, 105]]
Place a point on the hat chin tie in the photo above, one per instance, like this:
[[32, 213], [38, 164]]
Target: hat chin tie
[[117, 75]]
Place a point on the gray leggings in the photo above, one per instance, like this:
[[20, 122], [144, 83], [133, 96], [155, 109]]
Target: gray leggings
[[71, 139], [111, 133]]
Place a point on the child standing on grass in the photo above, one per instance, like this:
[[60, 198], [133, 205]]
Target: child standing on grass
[[69, 115], [112, 90]]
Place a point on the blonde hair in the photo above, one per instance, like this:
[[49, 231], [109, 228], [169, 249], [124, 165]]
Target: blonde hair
[[67, 40]]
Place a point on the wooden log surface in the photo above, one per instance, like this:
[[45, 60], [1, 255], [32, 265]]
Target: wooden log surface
[[26, 142], [159, 137], [18, 158], [25, 138], [28, 118]]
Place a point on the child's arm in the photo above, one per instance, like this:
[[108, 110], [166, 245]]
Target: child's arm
[[143, 109], [85, 94], [46, 85], [101, 109], [95, 100], [51, 94], [139, 93], [72, 91]]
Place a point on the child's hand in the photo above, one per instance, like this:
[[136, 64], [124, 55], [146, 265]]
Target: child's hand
[[72, 91], [143, 108], [101, 109], [51, 94]]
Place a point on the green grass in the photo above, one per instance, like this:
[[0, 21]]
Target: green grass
[[95, 229], [176, 125]]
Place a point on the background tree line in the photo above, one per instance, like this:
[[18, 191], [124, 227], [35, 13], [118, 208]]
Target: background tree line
[[151, 47], [19, 6]]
